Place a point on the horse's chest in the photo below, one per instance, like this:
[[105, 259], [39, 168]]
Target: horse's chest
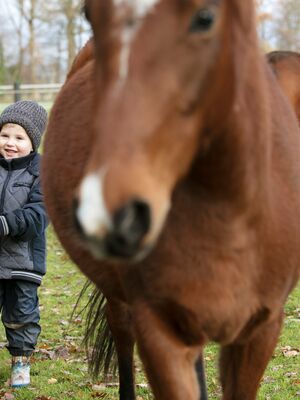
[[202, 295]]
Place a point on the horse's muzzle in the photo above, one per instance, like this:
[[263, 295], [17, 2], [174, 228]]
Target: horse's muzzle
[[124, 238], [130, 225]]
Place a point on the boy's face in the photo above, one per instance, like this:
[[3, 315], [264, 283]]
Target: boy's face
[[14, 141]]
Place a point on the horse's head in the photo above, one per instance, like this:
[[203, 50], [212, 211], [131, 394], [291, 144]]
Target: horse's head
[[161, 78]]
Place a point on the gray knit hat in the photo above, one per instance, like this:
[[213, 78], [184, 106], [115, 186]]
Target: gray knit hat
[[30, 115]]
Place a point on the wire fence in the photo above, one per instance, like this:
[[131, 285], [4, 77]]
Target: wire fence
[[44, 93]]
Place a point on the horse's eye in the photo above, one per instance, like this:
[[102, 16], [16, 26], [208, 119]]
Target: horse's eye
[[203, 20]]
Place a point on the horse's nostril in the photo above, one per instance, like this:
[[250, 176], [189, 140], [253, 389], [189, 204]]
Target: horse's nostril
[[129, 226], [131, 223]]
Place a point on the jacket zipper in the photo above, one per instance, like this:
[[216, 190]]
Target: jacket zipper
[[3, 196], [4, 189]]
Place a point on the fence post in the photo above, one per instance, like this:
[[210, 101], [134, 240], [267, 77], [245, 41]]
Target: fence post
[[17, 95]]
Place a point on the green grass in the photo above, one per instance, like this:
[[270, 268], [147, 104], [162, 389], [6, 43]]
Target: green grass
[[59, 368]]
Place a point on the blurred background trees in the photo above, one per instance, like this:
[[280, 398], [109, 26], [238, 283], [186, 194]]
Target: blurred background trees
[[287, 25], [279, 24], [39, 38]]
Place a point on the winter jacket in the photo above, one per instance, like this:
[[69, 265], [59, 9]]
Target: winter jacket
[[23, 220]]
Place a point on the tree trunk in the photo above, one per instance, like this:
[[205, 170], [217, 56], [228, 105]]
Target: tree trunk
[[32, 42]]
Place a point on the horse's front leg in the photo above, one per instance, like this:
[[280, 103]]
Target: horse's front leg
[[120, 324], [170, 365], [242, 365], [201, 376]]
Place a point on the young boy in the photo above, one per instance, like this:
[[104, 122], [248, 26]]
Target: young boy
[[23, 222]]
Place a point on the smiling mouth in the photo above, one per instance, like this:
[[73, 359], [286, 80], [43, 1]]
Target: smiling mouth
[[10, 153]]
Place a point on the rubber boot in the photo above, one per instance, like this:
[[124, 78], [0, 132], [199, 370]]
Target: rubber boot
[[20, 372]]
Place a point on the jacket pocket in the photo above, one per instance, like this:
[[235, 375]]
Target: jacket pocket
[[15, 254]]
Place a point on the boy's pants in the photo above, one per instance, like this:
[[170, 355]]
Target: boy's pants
[[19, 305]]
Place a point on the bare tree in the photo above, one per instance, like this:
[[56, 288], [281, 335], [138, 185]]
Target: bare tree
[[287, 25], [265, 17], [16, 20], [24, 20], [30, 17], [69, 13], [71, 10]]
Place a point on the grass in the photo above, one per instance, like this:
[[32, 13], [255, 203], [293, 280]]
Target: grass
[[59, 368]]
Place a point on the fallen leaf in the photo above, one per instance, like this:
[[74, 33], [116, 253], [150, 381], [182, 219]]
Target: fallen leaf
[[8, 396], [290, 374], [78, 320], [51, 381], [63, 322], [291, 353], [44, 398], [97, 388], [44, 346], [112, 384], [99, 395], [62, 352]]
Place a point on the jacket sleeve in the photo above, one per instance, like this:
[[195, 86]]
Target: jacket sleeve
[[27, 222]]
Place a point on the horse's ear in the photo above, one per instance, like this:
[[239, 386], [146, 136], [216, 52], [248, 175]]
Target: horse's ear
[[85, 55]]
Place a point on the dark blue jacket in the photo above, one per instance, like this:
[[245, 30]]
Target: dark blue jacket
[[23, 220]]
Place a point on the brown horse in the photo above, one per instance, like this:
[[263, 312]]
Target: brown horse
[[171, 174], [286, 65]]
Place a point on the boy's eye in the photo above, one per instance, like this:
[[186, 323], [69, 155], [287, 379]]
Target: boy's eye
[[20, 138]]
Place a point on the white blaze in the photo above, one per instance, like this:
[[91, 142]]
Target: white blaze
[[92, 213], [127, 37], [140, 8]]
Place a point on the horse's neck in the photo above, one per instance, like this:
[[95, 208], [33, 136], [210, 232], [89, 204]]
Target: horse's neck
[[234, 167]]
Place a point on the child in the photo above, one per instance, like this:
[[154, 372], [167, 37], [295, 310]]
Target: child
[[23, 222]]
